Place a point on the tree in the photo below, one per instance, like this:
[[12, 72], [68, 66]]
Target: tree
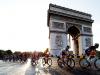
[[9, 52], [2, 53]]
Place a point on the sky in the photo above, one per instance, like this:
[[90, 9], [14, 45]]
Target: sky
[[23, 23]]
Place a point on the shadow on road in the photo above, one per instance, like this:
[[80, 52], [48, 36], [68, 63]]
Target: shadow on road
[[51, 71], [79, 71]]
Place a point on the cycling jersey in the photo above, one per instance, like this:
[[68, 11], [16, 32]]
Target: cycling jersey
[[93, 53], [63, 52], [88, 50], [46, 53]]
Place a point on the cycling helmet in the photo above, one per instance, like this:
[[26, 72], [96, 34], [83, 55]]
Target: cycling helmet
[[68, 46], [96, 45], [92, 48]]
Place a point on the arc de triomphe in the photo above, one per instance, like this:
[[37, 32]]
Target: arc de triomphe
[[64, 21]]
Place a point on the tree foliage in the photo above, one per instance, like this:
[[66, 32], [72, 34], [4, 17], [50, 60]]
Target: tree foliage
[[98, 54], [9, 52], [2, 53]]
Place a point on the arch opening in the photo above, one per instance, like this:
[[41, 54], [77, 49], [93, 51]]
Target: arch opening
[[73, 34]]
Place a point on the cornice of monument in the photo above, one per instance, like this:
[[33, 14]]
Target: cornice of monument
[[64, 8], [66, 12]]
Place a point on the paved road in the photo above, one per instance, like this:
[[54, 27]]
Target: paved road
[[8, 68]]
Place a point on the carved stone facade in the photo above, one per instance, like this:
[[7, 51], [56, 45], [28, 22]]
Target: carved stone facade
[[63, 21], [88, 42], [58, 41]]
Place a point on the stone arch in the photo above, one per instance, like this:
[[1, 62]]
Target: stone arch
[[74, 32]]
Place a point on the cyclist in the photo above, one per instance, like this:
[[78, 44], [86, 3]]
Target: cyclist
[[46, 55], [91, 51], [64, 52], [35, 57]]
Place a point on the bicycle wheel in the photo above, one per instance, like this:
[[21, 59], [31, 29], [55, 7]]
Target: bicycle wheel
[[60, 63], [43, 61], [84, 63], [97, 64], [70, 63], [49, 61]]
